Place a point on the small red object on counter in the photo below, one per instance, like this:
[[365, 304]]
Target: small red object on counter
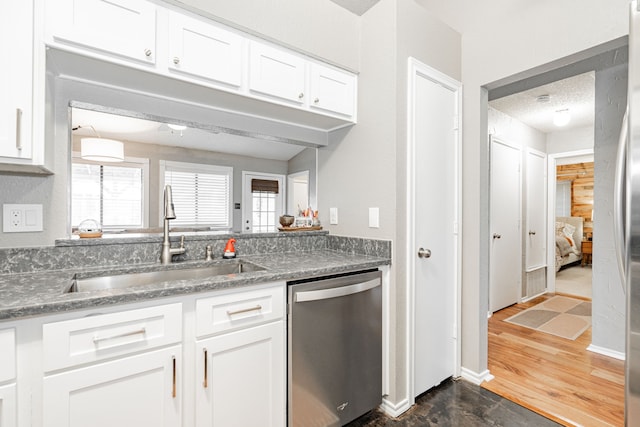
[[229, 249]]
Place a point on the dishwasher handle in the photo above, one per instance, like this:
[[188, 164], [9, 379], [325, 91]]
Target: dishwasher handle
[[339, 291]]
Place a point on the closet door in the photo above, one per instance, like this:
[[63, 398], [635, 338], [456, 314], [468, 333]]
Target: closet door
[[536, 223], [505, 257]]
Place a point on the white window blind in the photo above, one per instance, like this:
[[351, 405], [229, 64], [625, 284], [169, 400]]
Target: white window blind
[[111, 195], [201, 193]]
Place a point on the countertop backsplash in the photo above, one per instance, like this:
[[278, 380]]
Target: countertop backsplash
[[114, 251]]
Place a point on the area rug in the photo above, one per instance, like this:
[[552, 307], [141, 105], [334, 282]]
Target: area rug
[[560, 316]]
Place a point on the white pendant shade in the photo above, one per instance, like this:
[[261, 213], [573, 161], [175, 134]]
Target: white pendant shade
[[101, 150]]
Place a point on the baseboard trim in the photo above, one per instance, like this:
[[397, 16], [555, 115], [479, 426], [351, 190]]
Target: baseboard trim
[[527, 299], [475, 377], [395, 409], [607, 352]]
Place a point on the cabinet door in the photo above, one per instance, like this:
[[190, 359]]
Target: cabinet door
[[332, 90], [240, 378], [122, 27], [203, 50], [276, 73], [8, 406], [142, 390], [16, 37]]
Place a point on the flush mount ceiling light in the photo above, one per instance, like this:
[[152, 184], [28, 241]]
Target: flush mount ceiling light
[[100, 149], [561, 117]]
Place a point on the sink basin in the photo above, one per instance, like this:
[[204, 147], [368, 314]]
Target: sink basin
[[128, 280]]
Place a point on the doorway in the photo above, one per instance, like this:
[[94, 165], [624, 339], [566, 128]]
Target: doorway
[[433, 238], [263, 201]]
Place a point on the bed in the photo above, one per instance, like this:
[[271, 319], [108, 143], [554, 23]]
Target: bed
[[569, 233]]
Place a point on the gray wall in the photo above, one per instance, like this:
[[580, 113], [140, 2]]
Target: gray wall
[[609, 306]]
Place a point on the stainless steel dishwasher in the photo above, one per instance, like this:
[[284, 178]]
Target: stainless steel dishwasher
[[334, 348]]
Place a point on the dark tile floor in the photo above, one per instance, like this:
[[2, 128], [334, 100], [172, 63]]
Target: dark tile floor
[[458, 404]]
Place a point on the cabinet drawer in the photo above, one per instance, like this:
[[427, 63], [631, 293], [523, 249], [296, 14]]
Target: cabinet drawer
[[8, 354], [239, 310], [94, 338]]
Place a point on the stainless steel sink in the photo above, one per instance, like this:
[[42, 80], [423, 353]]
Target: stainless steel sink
[[128, 280]]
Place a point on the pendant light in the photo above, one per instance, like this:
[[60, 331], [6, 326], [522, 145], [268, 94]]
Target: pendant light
[[100, 149]]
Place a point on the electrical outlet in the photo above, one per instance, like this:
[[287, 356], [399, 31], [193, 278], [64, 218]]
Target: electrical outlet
[[15, 219], [21, 218]]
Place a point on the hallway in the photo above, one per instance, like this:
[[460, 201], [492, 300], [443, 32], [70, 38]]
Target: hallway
[[554, 376]]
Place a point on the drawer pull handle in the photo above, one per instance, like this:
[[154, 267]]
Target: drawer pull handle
[[244, 310], [206, 373], [97, 340], [174, 389]]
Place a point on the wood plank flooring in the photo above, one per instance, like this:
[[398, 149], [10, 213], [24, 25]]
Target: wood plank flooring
[[555, 377]]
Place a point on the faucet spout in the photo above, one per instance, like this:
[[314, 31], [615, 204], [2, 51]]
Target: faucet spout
[[166, 256]]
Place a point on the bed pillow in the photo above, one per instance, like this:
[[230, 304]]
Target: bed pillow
[[568, 230]]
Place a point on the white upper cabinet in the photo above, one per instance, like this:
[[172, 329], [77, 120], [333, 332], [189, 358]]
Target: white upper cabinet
[[16, 45], [175, 43], [276, 73], [332, 90], [203, 50], [124, 28]]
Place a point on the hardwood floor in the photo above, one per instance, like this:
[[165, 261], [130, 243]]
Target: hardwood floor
[[555, 377]]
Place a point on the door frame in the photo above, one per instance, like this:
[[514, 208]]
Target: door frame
[[551, 210], [417, 69]]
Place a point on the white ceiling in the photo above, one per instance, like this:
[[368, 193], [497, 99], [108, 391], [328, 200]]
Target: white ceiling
[[577, 94], [150, 132]]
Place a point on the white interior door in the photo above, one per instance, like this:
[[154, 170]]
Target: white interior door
[[536, 236], [505, 270], [261, 209], [434, 217]]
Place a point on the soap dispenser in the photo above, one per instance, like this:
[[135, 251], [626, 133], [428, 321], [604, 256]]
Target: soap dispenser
[[229, 249]]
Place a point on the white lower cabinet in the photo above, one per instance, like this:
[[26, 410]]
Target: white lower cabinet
[[135, 391], [126, 367], [242, 378], [8, 406]]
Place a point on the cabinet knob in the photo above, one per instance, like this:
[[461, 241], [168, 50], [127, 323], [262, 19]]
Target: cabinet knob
[[301, 95], [176, 60], [316, 100], [147, 52]]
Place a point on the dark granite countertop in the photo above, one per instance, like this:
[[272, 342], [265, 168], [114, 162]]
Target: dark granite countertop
[[32, 294]]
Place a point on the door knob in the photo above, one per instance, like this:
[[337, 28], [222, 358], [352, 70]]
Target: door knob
[[496, 236], [532, 233], [424, 253]]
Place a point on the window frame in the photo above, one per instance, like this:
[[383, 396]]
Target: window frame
[[196, 168], [131, 162]]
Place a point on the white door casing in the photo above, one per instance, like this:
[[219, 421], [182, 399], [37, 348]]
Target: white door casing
[[433, 218], [552, 161], [505, 257], [535, 231]]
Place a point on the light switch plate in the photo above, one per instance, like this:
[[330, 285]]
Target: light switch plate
[[374, 217], [21, 218], [333, 216]]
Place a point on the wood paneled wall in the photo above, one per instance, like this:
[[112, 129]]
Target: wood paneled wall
[[581, 177]]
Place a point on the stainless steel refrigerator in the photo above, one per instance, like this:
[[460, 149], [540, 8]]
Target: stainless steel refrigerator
[[630, 258]]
